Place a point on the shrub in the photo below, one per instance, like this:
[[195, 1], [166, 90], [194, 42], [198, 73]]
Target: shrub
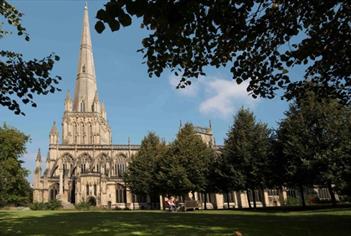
[[37, 206], [51, 205], [54, 205], [292, 201], [82, 206]]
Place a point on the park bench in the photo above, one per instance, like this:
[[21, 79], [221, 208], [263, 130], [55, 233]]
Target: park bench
[[191, 205]]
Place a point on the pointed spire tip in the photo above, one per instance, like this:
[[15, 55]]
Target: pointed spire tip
[[38, 156]]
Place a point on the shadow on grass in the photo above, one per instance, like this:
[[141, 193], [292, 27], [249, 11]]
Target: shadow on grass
[[162, 223], [278, 209]]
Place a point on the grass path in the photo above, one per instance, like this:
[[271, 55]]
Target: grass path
[[317, 222]]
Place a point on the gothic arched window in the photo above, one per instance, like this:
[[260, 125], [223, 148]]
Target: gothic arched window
[[120, 194], [75, 133], [90, 133], [82, 106], [121, 169], [82, 133]]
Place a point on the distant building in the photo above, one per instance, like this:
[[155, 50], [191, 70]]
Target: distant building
[[86, 166]]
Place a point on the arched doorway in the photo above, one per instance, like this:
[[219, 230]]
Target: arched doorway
[[91, 201], [72, 198], [53, 191]]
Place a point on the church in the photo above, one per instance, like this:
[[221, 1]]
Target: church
[[86, 167]]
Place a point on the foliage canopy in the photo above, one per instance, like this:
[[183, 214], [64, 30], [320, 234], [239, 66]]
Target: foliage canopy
[[21, 79], [260, 40]]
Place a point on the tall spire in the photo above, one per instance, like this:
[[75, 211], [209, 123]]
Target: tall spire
[[85, 87]]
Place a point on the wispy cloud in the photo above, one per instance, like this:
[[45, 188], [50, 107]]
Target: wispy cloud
[[224, 97], [220, 97]]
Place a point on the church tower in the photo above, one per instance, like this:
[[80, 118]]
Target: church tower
[[84, 120]]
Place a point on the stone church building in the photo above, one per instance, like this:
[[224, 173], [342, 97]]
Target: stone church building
[[86, 166]]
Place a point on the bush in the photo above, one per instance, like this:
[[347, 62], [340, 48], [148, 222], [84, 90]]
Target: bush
[[83, 206], [51, 205], [37, 206], [54, 205], [292, 201]]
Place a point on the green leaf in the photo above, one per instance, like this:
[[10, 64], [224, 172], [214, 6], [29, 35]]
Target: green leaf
[[101, 15], [99, 27], [125, 19], [114, 25]]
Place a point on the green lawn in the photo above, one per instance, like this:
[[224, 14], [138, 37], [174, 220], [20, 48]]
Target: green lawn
[[317, 222]]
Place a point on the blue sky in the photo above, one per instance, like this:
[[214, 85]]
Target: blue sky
[[135, 103]]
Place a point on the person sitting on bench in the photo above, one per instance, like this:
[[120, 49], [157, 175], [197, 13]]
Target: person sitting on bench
[[171, 204]]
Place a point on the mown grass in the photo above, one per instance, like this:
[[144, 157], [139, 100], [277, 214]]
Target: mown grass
[[317, 222]]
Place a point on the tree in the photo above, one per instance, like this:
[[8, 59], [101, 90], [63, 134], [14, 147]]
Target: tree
[[21, 79], [223, 178], [172, 178], [141, 174], [260, 40], [246, 150], [14, 188], [315, 143], [185, 166], [276, 177]]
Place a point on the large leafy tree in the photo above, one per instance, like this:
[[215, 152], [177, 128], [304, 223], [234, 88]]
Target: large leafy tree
[[315, 142], [223, 178], [246, 151], [14, 188], [185, 167], [21, 80], [172, 177], [261, 40], [141, 173]]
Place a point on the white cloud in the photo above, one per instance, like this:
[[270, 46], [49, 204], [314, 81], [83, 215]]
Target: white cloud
[[224, 97], [220, 97]]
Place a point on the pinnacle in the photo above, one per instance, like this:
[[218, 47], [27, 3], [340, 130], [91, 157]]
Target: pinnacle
[[38, 156]]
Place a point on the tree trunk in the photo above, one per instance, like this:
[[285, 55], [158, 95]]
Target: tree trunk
[[263, 198], [248, 198], [302, 196], [332, 194], [205, 206], [163, 202], [254, 198], [125, 196], [281, 196], [228, 199]]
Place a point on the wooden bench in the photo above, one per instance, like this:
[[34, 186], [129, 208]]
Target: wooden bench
[[191, 205]]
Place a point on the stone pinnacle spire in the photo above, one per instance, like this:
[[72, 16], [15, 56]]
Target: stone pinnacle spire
[[38, 158], [85, 87], [54, 130]]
